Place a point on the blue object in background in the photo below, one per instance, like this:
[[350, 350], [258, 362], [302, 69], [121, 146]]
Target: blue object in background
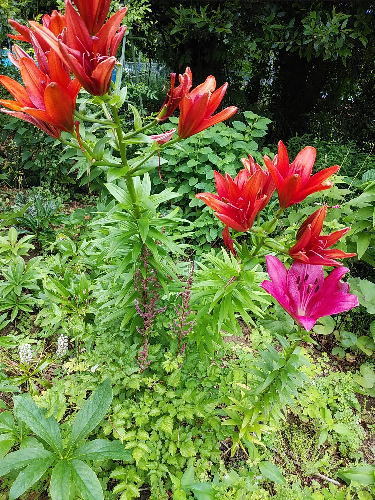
[[114, 73], [4, 58]]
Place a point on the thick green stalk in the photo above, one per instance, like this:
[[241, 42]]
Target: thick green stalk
[[122, 147], [268, 229]]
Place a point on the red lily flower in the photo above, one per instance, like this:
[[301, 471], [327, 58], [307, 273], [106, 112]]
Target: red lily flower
[[93, 12], [313, 248], [90, 58], [238, 201], [48, 99], [54, 22], [294, 181], [175, 94], [197, 108], [268, 186]]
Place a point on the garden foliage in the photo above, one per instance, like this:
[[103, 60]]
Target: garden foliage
[[153, 348]]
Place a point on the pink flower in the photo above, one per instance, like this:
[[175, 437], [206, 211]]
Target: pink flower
[[305, 294], [164, 137]]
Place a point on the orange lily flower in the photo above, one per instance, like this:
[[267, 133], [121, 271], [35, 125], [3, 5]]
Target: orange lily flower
[[175, 94], [313, 248], [90, 58], [47, 100], [54, 22], [294, 181], [197, 108]]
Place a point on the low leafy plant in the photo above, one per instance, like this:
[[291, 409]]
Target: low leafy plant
[[11, 246], [19, 278], [41, 214], [62, 456]]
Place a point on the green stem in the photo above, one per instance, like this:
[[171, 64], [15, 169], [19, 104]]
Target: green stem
[[68, 143], [122, 148], [85, 118], [268, 229], [140, 130], [150, 155], [170, 143], [290, 350]]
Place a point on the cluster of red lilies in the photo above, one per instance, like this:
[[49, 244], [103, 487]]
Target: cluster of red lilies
[[238, 201]]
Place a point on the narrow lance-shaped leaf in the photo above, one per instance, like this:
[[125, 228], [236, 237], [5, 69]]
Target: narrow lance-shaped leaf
[[86, 481], [61, 481], [21, 458], [100, 449], [29, 476], [92, 412], [33, 416]]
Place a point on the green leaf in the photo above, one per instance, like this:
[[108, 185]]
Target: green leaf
[[92, 412], [99, 148], [271, 472], [363, 242], [118, 193], [100, 449], [61, 481], [144, 227], [6, 443], [46, 428], [139, 139], [86, 481], [21, 458], [187, 448], [326, 326], [137, 117], [29, 476], [362, 474]]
